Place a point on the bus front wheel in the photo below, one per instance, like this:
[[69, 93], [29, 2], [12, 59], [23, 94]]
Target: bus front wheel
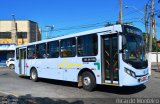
[[34, 75], [88, 81]]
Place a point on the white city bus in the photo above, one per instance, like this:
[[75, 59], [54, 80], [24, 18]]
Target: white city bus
[[113, 55]]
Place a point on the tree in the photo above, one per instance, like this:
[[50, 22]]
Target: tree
[[108, 24], [154, 44]]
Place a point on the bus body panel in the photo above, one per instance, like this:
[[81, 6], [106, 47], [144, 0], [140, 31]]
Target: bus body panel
[[61, 68]]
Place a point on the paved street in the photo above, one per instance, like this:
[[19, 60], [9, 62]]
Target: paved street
[[10, 83], [13, 84]]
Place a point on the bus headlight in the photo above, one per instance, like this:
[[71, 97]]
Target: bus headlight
[[130, 72]]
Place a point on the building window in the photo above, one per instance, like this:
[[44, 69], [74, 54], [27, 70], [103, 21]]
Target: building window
[[22, 35], [31, 52], [53, 49], [41, 50], [68, 47], [5, 35], [87, 45]]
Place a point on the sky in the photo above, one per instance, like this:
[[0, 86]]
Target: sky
[[71, 16]]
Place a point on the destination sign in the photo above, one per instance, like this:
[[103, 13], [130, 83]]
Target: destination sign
[[89, 59], [132, 30]]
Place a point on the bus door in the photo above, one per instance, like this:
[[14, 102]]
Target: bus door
[[110, 59], [22, 61]]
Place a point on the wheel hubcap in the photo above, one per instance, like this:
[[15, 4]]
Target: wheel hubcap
[[33, 75], [87, 80]]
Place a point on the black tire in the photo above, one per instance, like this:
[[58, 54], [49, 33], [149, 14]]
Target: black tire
[[88, 81], [34, 75], [11, 66]]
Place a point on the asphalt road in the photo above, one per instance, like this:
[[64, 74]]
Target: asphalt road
[[12, 84]]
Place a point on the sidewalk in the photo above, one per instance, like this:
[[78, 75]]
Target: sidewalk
[[155, 74], [2, 65], [155, 71], [154, 65]]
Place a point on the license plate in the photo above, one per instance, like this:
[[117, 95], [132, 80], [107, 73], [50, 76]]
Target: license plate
[[143, 78]]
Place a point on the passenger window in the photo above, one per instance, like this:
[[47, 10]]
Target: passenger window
[[68, 47], [12, 60], [31, 52], [53, 49], [87, 45], [41, 50], [17, 53]]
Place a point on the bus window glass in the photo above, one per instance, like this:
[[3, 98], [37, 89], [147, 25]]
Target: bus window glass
[[31, 52], [87, 45], [53, 49], [17, 53], [68, 48], [41, 50]]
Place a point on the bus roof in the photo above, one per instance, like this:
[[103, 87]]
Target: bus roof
[[110, 29]]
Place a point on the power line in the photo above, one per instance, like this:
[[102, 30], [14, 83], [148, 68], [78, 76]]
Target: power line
[[89, 25], [131, 20]]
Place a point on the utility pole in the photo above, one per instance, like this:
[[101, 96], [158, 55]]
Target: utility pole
[[150, 36], [120, 12], [154, 25], [151, 27], [47, 30], [146, 25], [155, 36], [15, 28]]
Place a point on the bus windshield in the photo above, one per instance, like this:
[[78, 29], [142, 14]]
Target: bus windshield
[[134, 51]]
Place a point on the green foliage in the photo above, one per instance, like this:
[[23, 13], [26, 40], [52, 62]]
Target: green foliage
[[117, 22], [154, 43], [154, 46]]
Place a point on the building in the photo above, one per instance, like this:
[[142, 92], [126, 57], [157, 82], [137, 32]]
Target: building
[[27, 32]]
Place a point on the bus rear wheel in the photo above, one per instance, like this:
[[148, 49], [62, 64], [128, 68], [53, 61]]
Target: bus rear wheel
[[34, 75], [88, 81]]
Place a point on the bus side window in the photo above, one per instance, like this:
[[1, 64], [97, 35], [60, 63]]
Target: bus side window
[[68, 47], [53, 49], [31, 52], [41, 51], [34, 55], [87, 45]]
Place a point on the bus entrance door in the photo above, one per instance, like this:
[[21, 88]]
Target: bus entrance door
[[110, 59], [22, 61]]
